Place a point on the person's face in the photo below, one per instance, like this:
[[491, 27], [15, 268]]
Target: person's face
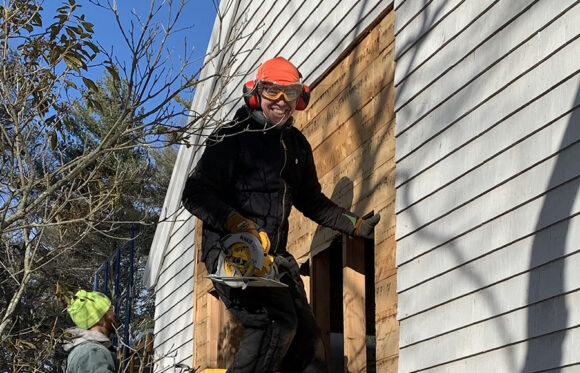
[[109, 320], [278, 111]]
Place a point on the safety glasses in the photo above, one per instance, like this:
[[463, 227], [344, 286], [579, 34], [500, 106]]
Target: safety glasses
[[273, 91]]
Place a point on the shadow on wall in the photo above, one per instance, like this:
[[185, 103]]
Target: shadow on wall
[[543, 354], [343, 196]]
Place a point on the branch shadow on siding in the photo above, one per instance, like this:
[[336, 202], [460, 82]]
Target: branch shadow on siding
[[542, 355]]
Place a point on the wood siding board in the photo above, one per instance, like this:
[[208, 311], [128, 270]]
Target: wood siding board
[[368, 193], [407, 12], [547, 55], [546, 114], [421, 24], [442, 32], [177, 302], [495, 333], [540, 150], [510, 260], [525, 188], [354, 305], [342, 76], [444, 310], [368, 117], [175, 344], [482, 48], [181, 272], [387, 339], [168, 326]]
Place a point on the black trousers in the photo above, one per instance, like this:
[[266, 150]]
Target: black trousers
[[280, 332]]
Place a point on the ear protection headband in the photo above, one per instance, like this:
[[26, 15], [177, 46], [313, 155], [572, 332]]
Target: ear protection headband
[[252, 99]]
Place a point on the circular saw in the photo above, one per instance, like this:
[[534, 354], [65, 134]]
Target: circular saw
[[243, 261]]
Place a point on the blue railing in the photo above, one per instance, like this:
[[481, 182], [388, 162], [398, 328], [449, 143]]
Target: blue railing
[[121, 262]]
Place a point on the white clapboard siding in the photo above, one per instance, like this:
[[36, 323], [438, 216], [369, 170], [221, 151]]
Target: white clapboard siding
[[489, 273], [522, 189], [487, 201], [492, 236], [481, 104], [531, 160], [494, 333], [548, 56], [560, 347], [545, 116], [174, 351], [456, 63], [416, 28]]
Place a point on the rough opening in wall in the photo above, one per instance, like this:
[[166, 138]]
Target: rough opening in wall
[[342, 297]]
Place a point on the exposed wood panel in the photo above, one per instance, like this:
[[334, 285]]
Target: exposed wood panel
[[533, 157], [553, 110], [320, 273], [370, 192], [484, 100], [491, 334], [387, 340], [341, 77], [353, 276], [482, 48], [523, 189]]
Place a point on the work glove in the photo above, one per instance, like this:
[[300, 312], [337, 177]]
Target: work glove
[[236, 223], [365, 228]]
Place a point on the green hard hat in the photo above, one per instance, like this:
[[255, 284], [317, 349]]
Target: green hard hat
[[88, 308]]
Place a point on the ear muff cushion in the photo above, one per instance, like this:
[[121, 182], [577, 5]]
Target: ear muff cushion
[[304, 98], [251, 95]]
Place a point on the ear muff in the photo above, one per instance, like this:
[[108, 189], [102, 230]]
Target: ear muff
[[304, 98], [251, 95], [252, 100]]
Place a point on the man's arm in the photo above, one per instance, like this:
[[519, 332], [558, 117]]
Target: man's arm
[[316, 206], [205, 187]]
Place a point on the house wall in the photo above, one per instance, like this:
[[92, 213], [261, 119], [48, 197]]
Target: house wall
[[350, 126], [487, 132], [312, 34]]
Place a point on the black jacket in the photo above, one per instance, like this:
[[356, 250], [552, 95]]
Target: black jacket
[[261, 171]]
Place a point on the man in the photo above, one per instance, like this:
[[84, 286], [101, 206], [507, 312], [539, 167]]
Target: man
[[250, 175], [90, 346]]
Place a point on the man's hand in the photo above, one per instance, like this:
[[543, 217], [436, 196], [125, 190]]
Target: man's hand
[[365, 228], [236, 223]]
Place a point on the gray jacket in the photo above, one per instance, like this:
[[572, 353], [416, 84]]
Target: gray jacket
[[89, 352]]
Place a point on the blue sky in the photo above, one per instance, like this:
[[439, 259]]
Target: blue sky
[[198, 16], [196, 20]]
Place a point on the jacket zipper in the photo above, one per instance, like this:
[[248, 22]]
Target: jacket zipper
[[284, 192]]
